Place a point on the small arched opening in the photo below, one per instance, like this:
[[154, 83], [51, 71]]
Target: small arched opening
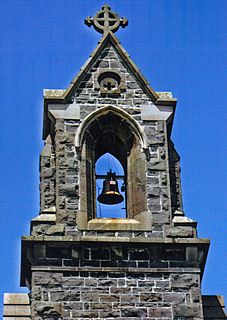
[[110, 191]]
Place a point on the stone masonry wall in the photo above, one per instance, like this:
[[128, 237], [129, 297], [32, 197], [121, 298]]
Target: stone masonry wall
[[175, 181], [109, 281], [67, 172], [47, 176], [122, 295], [67, 163]]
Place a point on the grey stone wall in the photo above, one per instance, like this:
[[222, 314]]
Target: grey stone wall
[[66, 194], [175, 181], [47, 176], [157, 174], [107, 281], [106, 295], [67, 172]]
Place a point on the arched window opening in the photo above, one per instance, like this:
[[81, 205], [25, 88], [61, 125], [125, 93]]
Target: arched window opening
[[111, 150], [110, 188]]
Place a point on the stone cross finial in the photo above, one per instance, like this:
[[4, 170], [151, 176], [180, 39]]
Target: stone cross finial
[[106, 20]]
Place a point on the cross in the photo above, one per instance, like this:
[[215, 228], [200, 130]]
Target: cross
[[109, 85], [106, 20]]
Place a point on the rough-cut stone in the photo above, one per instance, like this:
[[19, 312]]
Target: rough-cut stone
[[180, 232], [188, 310], [55, 230], [184, 281]]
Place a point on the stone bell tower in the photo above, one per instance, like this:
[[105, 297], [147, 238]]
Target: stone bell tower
[[146, 263]]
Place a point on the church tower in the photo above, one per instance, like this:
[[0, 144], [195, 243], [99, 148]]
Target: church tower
[[111, 240]]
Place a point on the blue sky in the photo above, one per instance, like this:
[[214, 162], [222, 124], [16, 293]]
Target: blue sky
[[179, 45]]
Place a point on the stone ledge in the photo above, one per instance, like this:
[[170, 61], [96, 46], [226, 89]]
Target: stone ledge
[[139, 222], [195, 254], [116, 269], [202, 241], [113, 224], [45, 217]]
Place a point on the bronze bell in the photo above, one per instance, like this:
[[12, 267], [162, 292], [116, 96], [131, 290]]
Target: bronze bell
[[110, 193]]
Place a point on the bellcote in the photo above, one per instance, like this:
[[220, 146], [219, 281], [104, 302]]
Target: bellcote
[[109, 109]]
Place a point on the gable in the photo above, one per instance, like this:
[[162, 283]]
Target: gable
[[109, 55], [134, 91], [109, 62]]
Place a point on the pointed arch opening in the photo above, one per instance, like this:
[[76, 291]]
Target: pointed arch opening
[[134, 125], [108, 137]]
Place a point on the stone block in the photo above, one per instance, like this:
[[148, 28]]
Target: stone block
[[191, 253], [162, 285], [110, 298], [120, 290], [39, 251], [16, 306], [71, 305], [102, 64], [59, 296], [108, 282], [47, 279], [160, 313], [17, 310], [85, 314], [112, 314], [100, 253], [174, 297], [188, 310], [179, 232], [69, 282], [66, 138], [139, 254], [68, 189], [16, 298], [131, 299], [56, 230], [161, 218], [36, 293], [139, 290], [195, 295], [150, 297], [184, 281], [116, 64], [134, 312], [49, 310], [89, 297]]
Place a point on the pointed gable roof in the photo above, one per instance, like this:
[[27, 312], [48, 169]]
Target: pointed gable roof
[[108, 38], [63, 96]]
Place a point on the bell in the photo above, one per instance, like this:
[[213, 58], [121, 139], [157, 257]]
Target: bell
[[110, 193]]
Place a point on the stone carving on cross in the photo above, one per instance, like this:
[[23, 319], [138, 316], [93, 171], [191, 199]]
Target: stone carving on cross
[[106, 20]]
